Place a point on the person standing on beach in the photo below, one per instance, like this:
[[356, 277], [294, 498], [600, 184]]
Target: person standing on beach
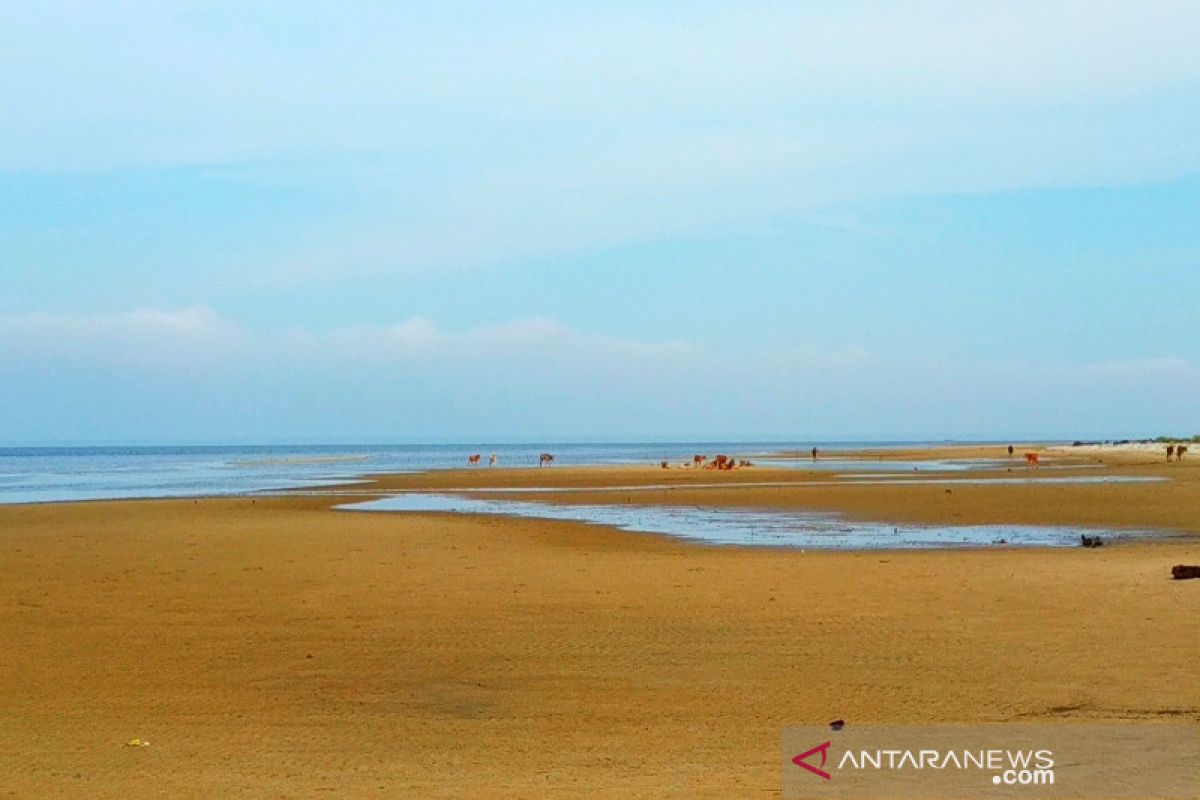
[[814, 454]]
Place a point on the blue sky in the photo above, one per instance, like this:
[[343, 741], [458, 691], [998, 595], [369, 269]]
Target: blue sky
[[386, 222]]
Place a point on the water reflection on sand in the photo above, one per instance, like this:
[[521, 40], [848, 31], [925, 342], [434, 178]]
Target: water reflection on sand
[[755, 527]]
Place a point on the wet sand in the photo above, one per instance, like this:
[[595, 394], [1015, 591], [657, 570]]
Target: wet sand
[[273, 647], [1172, 504]]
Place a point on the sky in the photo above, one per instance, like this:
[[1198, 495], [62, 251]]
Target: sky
[[479, 222]]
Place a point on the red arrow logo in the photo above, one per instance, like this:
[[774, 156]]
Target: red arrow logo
[[823, 749]]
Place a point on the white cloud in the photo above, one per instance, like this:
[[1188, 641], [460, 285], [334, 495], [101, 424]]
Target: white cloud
[[176, 340], [727, 87], [200, 338], [498, 134], [194, 372], [235, 83]]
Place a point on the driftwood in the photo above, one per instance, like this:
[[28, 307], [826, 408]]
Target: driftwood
[[1181, 572]]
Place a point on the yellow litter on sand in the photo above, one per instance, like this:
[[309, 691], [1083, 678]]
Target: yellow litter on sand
[[137, 743]]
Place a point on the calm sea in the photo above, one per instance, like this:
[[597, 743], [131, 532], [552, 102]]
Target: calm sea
[[52, 474]]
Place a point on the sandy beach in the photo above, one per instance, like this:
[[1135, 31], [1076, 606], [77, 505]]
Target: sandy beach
[[275, 647]]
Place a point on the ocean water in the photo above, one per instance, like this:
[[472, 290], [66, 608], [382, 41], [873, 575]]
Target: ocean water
[[55, 474]]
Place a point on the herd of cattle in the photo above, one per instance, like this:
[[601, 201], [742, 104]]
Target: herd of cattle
[[718, 462], [544, 460], [723, 463], [1175, 451]]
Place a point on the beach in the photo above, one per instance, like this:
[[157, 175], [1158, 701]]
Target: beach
[[272, 646], [1161, 495]]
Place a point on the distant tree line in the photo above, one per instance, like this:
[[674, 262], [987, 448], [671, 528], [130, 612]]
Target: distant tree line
[[1160, 440]]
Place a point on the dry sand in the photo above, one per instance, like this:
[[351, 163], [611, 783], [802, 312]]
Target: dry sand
[[276, 648]]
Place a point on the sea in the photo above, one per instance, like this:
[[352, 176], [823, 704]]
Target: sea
[[61, 474]]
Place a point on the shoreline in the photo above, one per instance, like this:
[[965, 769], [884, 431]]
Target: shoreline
[[985, 487], [789, 464]]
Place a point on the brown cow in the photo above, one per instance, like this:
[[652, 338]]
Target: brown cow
[[698, 461], [1170, 452], [1180, 452], [545, 460], [473, 460], [1031, 459]]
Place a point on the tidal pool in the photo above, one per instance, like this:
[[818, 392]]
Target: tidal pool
[[754, 527]]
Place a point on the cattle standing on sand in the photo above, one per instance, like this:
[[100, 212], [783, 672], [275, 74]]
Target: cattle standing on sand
[[1170, 452], [1180, 452], [698, 461], [545, 460], [721, 463], [1031, 459], [473, 460]]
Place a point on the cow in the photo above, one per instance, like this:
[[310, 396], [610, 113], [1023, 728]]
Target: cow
[[1170, 452], [492, 460], [545, 460], [473, 460], [698, 461], [1180, 452], [1031, 459]]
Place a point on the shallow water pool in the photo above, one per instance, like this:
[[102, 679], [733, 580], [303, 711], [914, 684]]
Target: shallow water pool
[[755, 527]]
